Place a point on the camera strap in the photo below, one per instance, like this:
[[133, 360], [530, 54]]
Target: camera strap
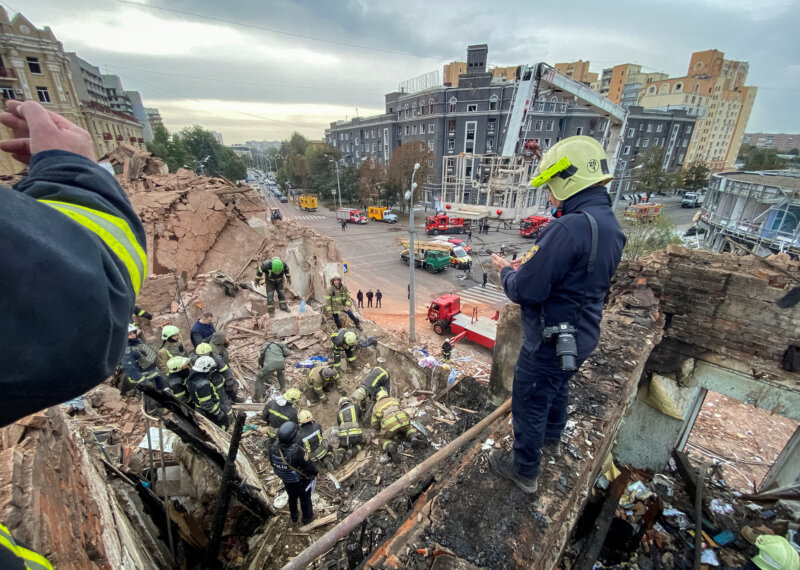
[[589, 265]]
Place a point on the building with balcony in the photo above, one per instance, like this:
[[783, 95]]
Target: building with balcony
[[154, 117], [714, 91], [781, 142], [577, 70], [755, 211]]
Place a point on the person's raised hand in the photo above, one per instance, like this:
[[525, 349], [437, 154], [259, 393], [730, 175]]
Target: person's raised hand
[[499, 262], [36, 129]]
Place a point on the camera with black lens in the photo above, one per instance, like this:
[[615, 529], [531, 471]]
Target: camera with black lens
[[563, 334]]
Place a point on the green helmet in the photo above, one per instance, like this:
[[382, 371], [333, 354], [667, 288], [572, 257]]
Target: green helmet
[[168, 331], [572, 165], [304, 416], [277, 265], [775, 553], [344, 400], [177, 363], [350, 337], [292, 395], [328, 372], [203, 348]]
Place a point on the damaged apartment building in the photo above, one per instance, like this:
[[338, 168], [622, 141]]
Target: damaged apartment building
[[104, 486]]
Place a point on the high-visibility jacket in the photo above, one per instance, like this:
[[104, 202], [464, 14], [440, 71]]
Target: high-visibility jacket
[[168, 350], [388, 416], [348, 419], [266, 267], [377, 378], [316, 381], [69, 218], [139, 312], [276, 415], [310, 437], [177, 385], [14, 556], [205, 397], [337, 299]]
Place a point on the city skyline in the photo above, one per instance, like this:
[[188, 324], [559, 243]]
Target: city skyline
[[260, 72]]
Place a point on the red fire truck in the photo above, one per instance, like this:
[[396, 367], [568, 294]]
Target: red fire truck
[[350, 215], [446, 316], [531, 226], [444, 224]]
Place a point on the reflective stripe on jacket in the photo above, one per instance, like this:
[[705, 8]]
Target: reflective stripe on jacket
[[389, 416], [29, 558], [337, 299]]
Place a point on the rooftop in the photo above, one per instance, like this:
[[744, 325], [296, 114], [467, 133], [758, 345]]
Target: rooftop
[[789, 179]]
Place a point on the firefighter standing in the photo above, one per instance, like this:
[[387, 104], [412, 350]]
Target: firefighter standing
[[321, 378], [204, 396], [292, 466], [222, 375], [310, 437], [392, 423], [343, 340], [270, 361], [139, 363], [351, 436], [171, 345], [275, 271], [279, 410], [338, 301], [447, 351]]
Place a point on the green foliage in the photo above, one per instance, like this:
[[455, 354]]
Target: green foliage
[[372, 177], [194, 144], [321, 172], [760, 158], [643, 238], [651, 177], [170, 149], [401, 167], [694, 177], [794, 152], [349, 176]]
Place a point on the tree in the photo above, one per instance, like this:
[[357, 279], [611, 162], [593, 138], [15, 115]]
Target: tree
[[219, 160], [321, 172], [170, 149], [372, 177], [349, 177], [695, 177], [762, 159], [401, 167], [644, 238], [651, 177]]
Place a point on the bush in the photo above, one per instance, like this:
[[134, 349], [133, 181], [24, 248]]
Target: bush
[[643, 238]]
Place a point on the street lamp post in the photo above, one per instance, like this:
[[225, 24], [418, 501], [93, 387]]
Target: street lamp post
[[411, 257], [338, 185], [619, 186]]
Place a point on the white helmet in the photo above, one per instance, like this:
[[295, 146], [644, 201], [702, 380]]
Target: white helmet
[[204, 364], [336, 276]]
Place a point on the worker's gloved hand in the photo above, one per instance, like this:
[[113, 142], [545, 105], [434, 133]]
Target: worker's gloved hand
[[36, 129], [288, 279], [147, 316]]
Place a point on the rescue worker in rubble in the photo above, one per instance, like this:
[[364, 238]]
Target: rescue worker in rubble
[[376, 380], [69, 215], [171, 345], [139, 363], [291, 464], [309, 435], [279, 410], [447, 351], [202, 329], [351, 436], [343, 340], [338, 301], [393, 423], [141, 313], [320, 379], [221, 375], [204, 396], [275, 271], [179, 369], [560, 285], [270, 361], [219, 343]]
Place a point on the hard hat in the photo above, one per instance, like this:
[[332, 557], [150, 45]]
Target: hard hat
[[381, 394], [344, 400], [304, 416], [203, 364], [572, 165], [287, 432], [168, 331], [203, 348], [350, 337], [775, 553], [336, 276], [132, 328], [328, 372], [359, 394], [177, 363], [277, 265], [292, 395]]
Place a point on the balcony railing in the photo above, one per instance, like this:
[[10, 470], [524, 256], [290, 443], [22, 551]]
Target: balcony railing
[[120, 138], [108, 137], [7, 73], [133, 140]]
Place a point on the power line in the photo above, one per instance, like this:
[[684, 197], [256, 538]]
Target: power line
[[280, 32]]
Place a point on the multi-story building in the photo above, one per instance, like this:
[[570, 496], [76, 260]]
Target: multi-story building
[[577, 70], [714, 91], [33, 66], [117, 99], [644, 130], [757, 210], [454, 69], [141, 115], [781, 142], [88, 80], [154, 117], [217, 137]]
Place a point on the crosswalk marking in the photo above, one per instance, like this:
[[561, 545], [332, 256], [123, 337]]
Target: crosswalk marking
[[310, 217], [491, 295]]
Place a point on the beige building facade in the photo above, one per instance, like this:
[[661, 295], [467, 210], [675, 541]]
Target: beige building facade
[[782, 142], [714, 91], [577, 70], [452, 70], [34, 67]]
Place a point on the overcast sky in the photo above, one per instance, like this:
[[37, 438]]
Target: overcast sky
[[258, 70]]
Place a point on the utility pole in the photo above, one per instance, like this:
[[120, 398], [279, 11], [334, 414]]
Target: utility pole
[[338, 185], [412, 258]]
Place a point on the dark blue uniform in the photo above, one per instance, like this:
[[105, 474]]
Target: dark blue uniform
[[72, 262], [550, 282]]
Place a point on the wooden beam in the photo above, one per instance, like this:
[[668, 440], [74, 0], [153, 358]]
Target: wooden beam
[[318, 523]]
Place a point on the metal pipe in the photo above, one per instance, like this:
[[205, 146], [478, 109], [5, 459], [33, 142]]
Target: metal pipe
[[224, 499], [149, 448], [330, 538]]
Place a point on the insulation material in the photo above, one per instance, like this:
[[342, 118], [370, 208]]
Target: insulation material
[[659, 398]]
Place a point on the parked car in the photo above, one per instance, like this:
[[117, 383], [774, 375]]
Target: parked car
[[456, 242], [691, 200]]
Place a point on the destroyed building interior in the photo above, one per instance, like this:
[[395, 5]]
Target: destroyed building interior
[[97, 484]]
